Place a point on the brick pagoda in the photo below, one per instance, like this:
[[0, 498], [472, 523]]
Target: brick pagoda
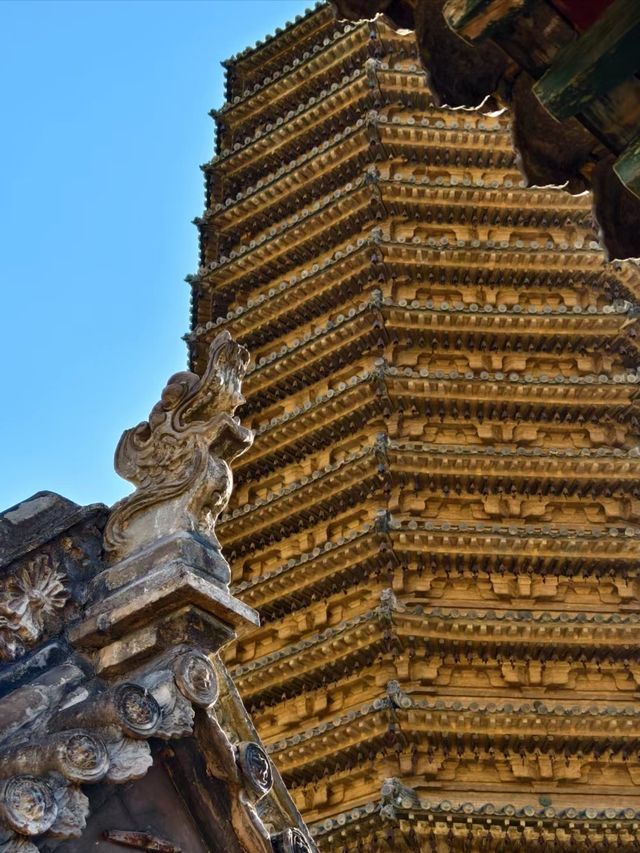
[[438, 520]]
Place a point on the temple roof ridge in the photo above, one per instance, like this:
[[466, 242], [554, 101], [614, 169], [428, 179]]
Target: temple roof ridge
[[270, 127], [296, 63], [288, 25]]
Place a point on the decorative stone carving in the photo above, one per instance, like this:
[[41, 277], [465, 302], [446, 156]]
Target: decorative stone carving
[[26, 599], [246, 769], [32, 806], [255, 768], [128, 708], [104, 737], [15, 844], [128, 759], [27, 804], [177, 711], [196, 678], [178, 459], [76, 755], [290, 841], [122, 718], [72, 811]]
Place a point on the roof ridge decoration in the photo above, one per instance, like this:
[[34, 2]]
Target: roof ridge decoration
[[295, 63], [178, 459], [288, 25], [134, 657]]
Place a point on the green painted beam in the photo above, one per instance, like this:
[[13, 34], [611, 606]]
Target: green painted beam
[[477, 19], [601, 58], [627, 167]]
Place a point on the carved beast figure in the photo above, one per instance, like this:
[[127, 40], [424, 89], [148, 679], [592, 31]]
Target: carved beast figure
[[178, 459]]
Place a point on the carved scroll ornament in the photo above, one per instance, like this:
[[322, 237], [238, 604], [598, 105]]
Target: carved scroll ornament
[[178, 458]]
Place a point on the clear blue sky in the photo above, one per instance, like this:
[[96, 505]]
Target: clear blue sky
[[104, 125]]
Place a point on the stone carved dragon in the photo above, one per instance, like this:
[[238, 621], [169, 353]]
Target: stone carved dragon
[[178, 459]]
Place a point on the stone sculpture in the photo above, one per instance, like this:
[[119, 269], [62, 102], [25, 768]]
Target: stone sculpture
[[133, 635], [179, 458]]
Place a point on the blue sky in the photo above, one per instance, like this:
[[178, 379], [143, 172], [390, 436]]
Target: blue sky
[[104, 126]]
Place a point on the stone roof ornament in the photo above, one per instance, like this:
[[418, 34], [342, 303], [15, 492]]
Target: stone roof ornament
[[179, 458], [132, 608]]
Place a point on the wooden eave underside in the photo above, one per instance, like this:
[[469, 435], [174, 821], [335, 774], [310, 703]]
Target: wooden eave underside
[[293, 84], [440, 724], [470, 326], [281, 311], [465, 212], [427, 262], [329, 417], [478, 636], [299, 79], [448, 213], [341, 412], [373, 138], [318, 120], [346, 486], [432, 475], [369, 326], [275, 49], [429, 547], [274, 145], [406, 827], [469, 395], [271, 314]]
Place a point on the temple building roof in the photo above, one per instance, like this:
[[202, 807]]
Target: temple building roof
[[120, 727]]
